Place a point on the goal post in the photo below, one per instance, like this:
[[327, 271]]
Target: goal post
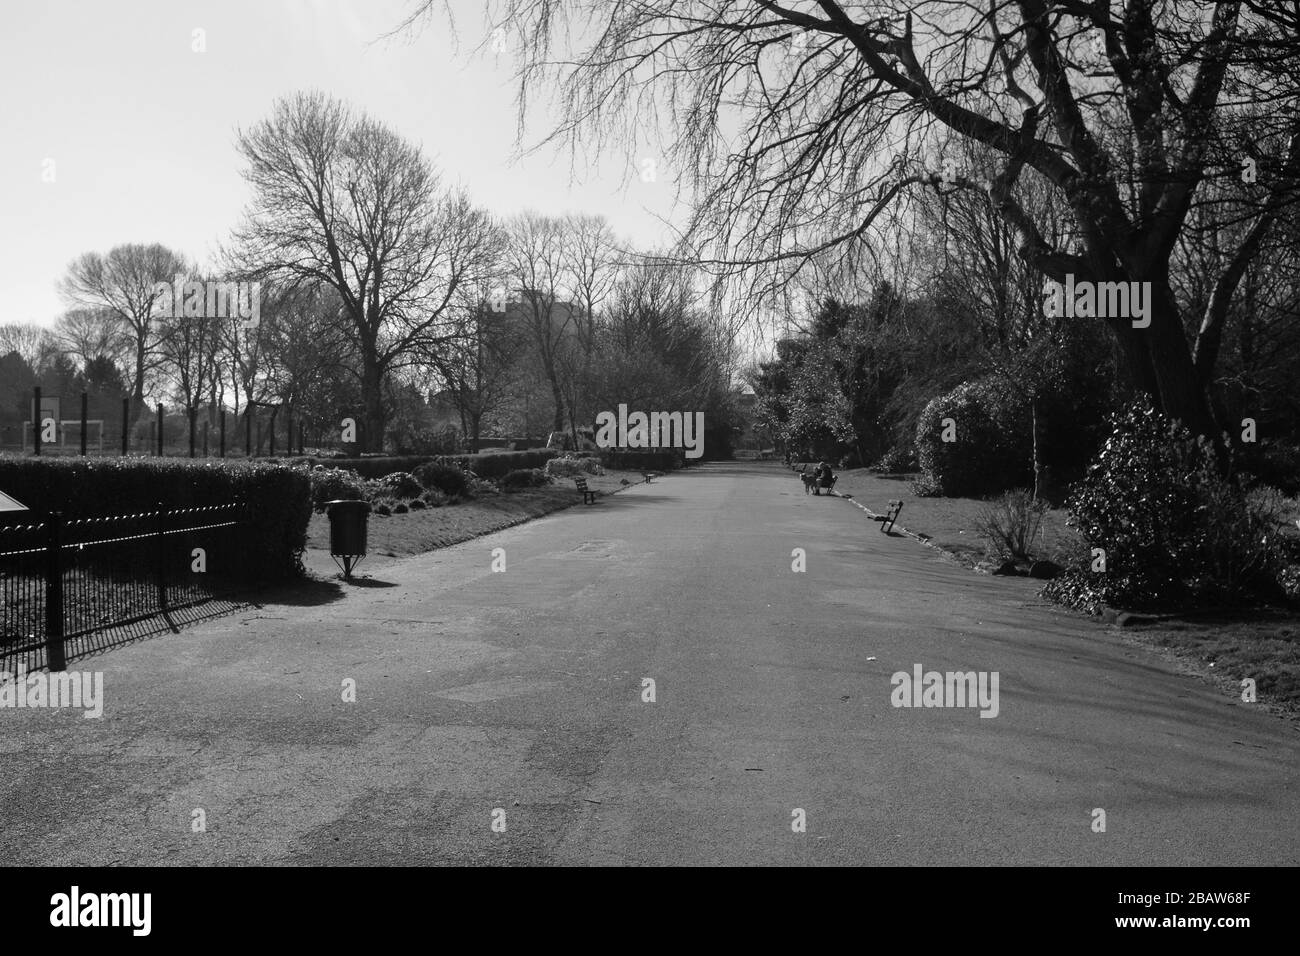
[[68, 433]]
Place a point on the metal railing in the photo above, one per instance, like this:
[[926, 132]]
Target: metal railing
[[69, 588]]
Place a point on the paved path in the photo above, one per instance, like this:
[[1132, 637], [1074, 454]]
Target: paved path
[[522, 691]]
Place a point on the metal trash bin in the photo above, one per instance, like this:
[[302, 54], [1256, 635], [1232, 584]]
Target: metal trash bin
[[349, 522]]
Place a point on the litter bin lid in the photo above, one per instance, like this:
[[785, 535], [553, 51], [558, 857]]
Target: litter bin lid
[[10, 504], [341, 504]]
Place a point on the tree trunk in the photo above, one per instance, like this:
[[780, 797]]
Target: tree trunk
[[137, 393], [1036, 419], [1180, 392], [372, 401]]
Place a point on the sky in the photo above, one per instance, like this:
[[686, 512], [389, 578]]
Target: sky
[[114, 128]]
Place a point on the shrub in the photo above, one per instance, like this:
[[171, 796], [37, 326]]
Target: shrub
[[571, 467], [991, 449], [525, 478], [1172, 527], [434, 498], [276, 499], [384, 508], [401, 485], [378, 466], [900, 458], [1010, 523], [1271, 463], [334, 484], [499, 464], [400, 508], [417, 504], [445, 478]]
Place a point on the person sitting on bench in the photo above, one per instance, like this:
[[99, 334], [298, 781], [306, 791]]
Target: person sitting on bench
[[825, 478]]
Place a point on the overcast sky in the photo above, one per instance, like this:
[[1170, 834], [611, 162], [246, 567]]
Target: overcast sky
[[140, 128]]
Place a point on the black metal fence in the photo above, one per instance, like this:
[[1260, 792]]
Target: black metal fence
[[69, 588]]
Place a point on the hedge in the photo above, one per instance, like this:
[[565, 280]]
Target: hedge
[[277, 498], [501, 464]]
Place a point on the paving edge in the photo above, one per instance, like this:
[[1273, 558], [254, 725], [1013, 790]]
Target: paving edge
[[925, 539], [1107, 615]]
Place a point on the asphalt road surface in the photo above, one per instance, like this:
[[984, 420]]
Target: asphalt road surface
[[516, 698]]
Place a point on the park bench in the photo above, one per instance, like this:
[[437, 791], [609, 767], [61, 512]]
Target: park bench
[[649, 476], [588, 495], [890, 516]]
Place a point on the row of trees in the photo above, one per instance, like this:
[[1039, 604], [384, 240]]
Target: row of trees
[[1154, 141], [380, 286]]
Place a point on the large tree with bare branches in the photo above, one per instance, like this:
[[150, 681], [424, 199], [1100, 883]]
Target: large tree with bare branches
[[340, 199], [124, 281], [794, 125]]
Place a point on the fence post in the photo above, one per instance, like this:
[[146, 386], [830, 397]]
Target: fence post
[[36, 420], [54, 657], [83, 424], [161, 535], [160, 429], [126, 422]]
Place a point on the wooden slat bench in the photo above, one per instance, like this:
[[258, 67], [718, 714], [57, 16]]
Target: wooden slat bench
[[649, 476], [887, 522], [588, 494]]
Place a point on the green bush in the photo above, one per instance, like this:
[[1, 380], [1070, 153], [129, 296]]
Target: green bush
[[447, 479], [1011, 523], [276, 499], [901, 458], [525, 478], [499, 464], [376, 467], [334, 484], [570, 467], [1271, 463], [1173, 529], [402, 485], [991, 448]]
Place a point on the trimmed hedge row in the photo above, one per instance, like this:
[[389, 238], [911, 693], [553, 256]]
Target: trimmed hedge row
[[499, 465], [277, 498]]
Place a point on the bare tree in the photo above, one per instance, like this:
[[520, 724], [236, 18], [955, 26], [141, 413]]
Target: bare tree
[[1124, 111], [32, 342], [342, 200], [124, 281], [89, 334], [537, 263]]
